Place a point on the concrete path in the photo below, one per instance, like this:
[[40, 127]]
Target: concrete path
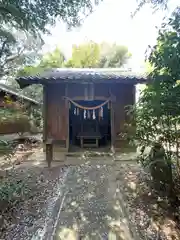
[[89, 208]]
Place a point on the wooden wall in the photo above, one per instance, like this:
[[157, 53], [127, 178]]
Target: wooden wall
[[125, 95], [56, 117], [57, 112]]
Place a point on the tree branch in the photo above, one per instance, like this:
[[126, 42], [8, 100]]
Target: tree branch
[[13, 57], [2, 48]]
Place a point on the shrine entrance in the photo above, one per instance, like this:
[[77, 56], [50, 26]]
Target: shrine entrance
[[89, 124]]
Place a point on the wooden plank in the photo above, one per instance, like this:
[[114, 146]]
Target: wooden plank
[[49, 112], [124, 96], [75, 89], [49, 153], [45, 106], [67, 109], [57, 113], [58, 107], [63, 120], [112, 125], [101, 90], [82, 98]]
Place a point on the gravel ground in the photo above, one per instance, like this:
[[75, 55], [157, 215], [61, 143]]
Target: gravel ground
[[76, 202], [90, 208], [151, 215], [87, 201], [26, 214]]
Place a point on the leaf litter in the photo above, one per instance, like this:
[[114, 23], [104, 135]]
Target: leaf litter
[[26, 193], [152, 215]]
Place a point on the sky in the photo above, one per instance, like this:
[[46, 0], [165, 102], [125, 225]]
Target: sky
[[111, 22]]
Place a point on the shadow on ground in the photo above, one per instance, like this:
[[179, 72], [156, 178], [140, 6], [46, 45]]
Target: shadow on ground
[[91, 209], [151, 211]]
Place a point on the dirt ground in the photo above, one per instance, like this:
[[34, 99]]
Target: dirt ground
[[76, 202], [25, 213], [91, 209], [87, 201], [150, 212]]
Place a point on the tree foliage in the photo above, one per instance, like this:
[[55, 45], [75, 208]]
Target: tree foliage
[[88, 55], [16, 49], [113, 56], [156, 4], [33, 16], [84, 56], [54, 59], [157, 114], [96, 55]]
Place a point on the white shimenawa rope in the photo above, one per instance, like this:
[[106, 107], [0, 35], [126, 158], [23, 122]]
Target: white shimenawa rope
[[88, 108]]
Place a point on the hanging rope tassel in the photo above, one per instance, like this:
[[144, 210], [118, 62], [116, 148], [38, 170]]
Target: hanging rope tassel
[[101, 112], [94, 115], [84, 114]]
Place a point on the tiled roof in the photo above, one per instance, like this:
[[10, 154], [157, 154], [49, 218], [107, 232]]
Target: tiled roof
[[8, 90], [83, 74]]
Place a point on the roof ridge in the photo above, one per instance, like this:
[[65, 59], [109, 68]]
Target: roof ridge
[[20, 95], [91, 69]]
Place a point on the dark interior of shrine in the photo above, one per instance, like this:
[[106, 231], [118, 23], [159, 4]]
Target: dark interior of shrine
[[89, 124]]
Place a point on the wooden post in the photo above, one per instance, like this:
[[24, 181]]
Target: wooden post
[[49, 152], [45, 106], [97, 142], [82, 142], [67, 112], [112, 126]]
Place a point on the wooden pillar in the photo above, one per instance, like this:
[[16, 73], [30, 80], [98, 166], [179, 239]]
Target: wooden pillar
[[82, 142], [45, 106], [67, 112], [97, 142], [112, 125], [48, 142], [49, 153]]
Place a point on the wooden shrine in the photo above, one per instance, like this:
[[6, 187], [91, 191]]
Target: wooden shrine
[[84, 107]]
